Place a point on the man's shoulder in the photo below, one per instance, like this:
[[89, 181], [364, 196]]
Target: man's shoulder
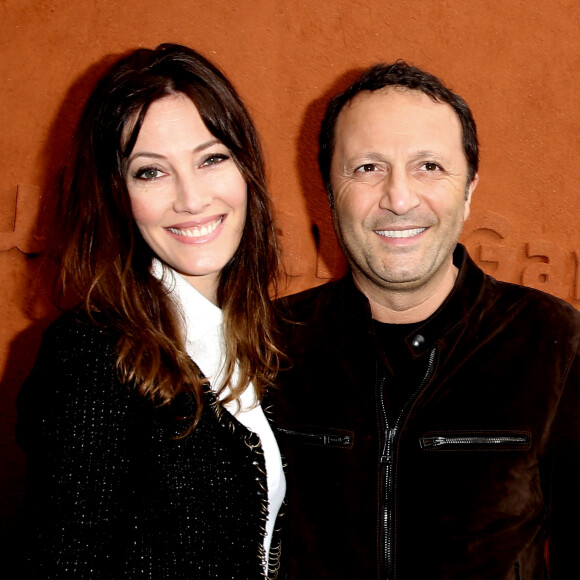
[[501, 300], [313, 302], [533, 304], [310, 295]]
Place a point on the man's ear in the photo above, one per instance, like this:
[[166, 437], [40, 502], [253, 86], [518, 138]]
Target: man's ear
[[469, 193]]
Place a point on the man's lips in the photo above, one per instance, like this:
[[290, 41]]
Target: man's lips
[[198, 230], [400, 233]]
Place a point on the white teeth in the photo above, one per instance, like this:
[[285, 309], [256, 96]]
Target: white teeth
[[400, 233], [198, 231]]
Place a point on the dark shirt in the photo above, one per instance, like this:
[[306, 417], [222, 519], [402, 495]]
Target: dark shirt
[[403, 370]]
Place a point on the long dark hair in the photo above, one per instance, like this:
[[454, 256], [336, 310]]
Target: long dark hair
[[103, 258]]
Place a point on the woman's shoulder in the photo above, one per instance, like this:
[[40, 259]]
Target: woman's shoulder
[[76, 336], [74, 380], [77, 328], [75, 350]]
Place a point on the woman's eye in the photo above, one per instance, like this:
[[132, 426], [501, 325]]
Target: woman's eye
[[148, 173], [215, 159]]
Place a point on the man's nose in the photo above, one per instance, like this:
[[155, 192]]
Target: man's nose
[[399, 195]]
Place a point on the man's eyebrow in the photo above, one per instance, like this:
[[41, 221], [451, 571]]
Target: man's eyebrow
[[380, 157], [428, 153], [369, 156]]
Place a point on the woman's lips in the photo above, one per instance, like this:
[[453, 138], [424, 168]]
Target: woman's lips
[[196, 232]]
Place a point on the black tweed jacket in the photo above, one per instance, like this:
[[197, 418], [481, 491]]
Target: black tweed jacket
[[112, 493]]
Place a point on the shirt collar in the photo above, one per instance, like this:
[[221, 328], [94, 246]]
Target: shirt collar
[[200, 315]]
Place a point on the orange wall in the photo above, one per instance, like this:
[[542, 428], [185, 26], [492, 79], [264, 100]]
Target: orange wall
[[515, 61]]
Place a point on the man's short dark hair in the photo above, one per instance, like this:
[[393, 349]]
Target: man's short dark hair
[[398, 74]]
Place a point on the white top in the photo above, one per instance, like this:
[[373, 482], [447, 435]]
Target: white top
[[205, 344]]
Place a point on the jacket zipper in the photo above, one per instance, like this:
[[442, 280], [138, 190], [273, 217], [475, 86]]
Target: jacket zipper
[[319, 438], [440, 440], [387, 464]]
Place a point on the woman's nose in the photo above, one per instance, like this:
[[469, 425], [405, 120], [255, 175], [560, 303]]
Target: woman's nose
[[191, 195]]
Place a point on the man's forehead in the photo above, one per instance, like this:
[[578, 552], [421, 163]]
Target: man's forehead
[[393, 96], [387, 91], [396, 108]]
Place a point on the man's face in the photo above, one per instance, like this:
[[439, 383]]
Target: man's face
[[399, 176]]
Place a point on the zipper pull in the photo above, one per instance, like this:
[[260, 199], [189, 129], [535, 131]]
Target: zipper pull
[[427, 442], [388, 446], [336, 440]]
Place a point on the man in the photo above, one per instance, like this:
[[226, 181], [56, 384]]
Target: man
[[431, 414]]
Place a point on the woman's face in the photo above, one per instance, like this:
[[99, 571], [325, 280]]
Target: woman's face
[[188, 196]]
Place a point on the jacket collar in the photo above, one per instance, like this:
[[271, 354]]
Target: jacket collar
[[455, 308]]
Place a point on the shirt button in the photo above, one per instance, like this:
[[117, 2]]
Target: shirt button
[[418, 341]]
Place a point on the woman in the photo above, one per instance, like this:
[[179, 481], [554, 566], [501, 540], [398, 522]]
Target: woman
[[148, 454]]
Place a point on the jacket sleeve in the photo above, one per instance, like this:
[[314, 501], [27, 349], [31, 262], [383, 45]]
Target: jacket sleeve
[[74, 423], [564, 538]]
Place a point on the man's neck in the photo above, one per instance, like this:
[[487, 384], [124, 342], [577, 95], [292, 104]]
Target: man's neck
[[408, 306]]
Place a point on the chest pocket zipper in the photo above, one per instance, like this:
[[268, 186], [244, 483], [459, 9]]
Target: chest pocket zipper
[[316, 436], [476, 441]]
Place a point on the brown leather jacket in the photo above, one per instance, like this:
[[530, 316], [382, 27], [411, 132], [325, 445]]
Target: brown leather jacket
[[478, 478]]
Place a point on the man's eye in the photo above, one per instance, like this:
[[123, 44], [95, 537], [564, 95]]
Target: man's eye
[[148, 173], [367, 168], [430, 166]]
